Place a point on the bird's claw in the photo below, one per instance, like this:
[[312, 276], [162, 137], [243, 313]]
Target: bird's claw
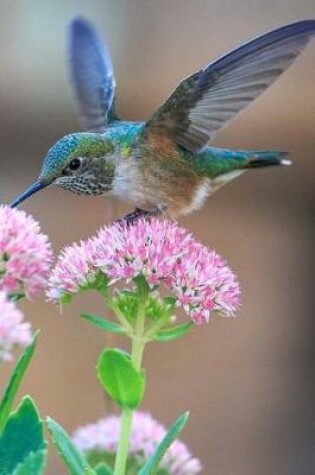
[[130, 218]]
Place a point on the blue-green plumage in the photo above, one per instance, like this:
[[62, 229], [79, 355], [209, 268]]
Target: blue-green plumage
[[164, 163]]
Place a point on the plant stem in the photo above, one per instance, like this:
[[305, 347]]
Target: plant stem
[[156, 326], [114, 308], [122, 453], [138, 344]]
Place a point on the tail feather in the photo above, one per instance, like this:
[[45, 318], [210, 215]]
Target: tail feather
[[214, 162], [266, 159]]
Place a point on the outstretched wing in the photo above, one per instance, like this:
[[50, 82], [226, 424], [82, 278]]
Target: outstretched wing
[[92, 76], [210, 98]]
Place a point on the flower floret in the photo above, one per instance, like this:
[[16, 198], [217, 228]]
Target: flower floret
[[13, 330]]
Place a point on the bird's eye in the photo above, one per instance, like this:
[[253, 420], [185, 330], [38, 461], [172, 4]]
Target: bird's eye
[[74, 164]]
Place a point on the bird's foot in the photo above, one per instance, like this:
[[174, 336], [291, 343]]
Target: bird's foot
[[141, 213]]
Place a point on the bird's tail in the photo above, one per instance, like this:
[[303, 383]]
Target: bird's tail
[[214, 162], [265, 159]]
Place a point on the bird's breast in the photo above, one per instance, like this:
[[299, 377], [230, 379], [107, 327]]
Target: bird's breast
[[157, 177]]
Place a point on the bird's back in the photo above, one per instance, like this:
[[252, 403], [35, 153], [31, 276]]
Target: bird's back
[[125, 133]]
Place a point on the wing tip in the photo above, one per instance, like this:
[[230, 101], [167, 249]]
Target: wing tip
[[301, 27], [80, 25], [307, 25]]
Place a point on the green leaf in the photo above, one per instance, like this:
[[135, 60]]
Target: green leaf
[[21, 437], [103, 469], [152, 464], [34, 464], [72, 457], [103, 324], [173, 333], [15, 381], [120, 379]]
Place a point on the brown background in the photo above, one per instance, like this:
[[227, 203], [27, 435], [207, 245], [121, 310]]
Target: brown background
[[248, 382]]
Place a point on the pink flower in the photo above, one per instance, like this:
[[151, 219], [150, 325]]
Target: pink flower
[[203, 283], [13, 331], [25, 253], [163, 253], [148, 248], [146, 434], [73, 271]]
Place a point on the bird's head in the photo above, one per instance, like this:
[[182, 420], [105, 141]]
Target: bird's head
[[82, 163]]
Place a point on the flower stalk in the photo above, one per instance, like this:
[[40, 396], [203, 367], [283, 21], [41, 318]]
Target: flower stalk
[[138, 345]]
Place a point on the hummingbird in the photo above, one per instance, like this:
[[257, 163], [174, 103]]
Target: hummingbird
[[164, 165]]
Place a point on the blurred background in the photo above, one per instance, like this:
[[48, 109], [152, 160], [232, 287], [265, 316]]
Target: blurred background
[[248, 382]]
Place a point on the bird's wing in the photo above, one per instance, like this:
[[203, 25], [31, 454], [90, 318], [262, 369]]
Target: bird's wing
[[92, 76], [210, 98]]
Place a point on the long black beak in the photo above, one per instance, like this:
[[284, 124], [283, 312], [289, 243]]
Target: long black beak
[[29, 192]]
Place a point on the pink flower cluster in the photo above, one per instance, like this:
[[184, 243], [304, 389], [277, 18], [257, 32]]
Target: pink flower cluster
[[25, 253], [163, 253], [74, 270], [13, 331], [25, 258], [145, 436]]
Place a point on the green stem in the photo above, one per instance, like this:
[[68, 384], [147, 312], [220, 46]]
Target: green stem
[[112, 306], [156, 326], [138, 344], [122, 453], [121, 317]]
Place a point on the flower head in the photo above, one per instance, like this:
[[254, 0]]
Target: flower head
[[25, 253], [146, 434], [13, 331], [160, 251], [73, 271]]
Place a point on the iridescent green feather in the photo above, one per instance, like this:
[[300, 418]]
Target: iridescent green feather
[[213, 162]]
